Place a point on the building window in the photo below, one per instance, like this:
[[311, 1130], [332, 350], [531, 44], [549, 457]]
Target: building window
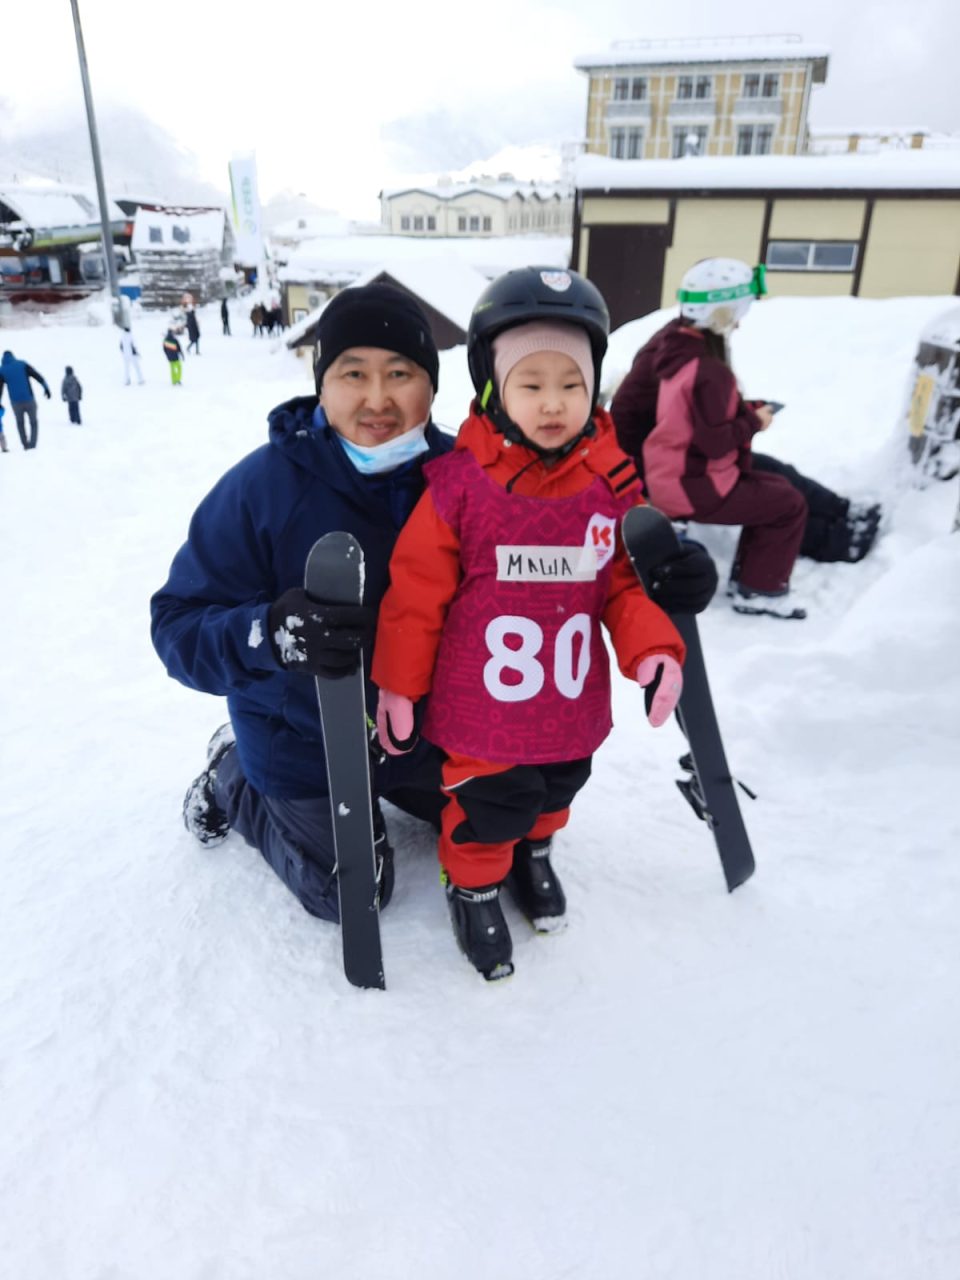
[[621, 89], [474, 224], [461, 223], [634, 144], [812, 255], [754, 139], [618, 143], [156, 235], [704, 87], [638, 88], [751, 86], [431, 222], [690, 140], [684, 87], [487, 224], [418, 223], [405, 223], [180, 234], [771, 86]]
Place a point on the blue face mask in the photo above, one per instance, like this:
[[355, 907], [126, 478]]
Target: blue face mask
[[375, 459]]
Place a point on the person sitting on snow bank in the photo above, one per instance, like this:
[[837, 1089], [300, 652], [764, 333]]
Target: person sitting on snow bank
[[498, 584], [680, 415]]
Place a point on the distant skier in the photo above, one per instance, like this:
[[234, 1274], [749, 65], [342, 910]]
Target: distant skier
[[174, 353], [225, 317], [15, 375], [193, 330], [131, 357], [72, 392]]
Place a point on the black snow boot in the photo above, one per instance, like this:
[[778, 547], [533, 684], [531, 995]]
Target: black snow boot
[[480, 928], [536, 888], [202, 816]]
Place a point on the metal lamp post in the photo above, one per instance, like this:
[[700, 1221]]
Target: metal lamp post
[[118, 308]]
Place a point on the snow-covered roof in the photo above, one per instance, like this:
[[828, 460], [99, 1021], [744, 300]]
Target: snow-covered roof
[[884, 170], [944, 330], [342, 259], [450, 285], [55, 206], [162, 230], [445, 282], [499, 188], [309, 225], [676, 52]]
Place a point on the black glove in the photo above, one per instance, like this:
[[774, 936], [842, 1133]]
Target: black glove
[[46, 392], [319, 639], [686, 581]]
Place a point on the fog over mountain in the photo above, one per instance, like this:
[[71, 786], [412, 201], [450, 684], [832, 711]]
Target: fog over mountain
[[140, 158]]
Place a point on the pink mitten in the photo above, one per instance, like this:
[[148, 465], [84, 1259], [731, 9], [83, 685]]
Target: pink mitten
[[667, 693], [395, 723]]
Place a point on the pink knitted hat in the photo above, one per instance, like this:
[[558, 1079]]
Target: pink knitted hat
[[510, 347]]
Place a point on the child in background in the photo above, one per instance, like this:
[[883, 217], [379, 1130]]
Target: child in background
[[174, 353], [72, 392], [499, 581]]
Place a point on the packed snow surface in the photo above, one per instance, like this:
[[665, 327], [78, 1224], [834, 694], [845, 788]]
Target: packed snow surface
[[684, 1085]]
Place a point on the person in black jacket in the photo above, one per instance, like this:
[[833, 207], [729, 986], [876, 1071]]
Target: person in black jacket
[[193, 330], [225, 317]]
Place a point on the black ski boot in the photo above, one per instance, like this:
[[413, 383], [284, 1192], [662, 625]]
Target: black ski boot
[[863, 523], [202, 816], [480, 928], [383, 851], [536, 888]]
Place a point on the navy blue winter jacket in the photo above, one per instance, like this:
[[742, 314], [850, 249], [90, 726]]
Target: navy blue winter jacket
[[247, 544], [16, 374]]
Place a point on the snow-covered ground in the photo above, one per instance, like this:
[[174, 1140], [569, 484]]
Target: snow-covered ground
[[685, 1085]]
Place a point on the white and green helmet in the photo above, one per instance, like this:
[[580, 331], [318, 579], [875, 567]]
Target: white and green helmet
[[715, 293]]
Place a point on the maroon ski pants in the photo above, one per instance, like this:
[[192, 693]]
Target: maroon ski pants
[[773, 515]]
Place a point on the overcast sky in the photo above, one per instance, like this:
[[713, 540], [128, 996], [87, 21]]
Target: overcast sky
[[341, 99]]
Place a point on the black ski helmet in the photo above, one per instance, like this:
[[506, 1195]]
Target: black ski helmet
[[534, 293]]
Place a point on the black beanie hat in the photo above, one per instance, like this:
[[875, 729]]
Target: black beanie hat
[[375, 315]]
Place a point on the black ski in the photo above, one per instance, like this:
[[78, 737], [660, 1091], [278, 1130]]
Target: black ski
[[650, 538], [762, 611], [334, 574]]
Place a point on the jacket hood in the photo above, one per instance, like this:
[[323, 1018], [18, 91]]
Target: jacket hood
[[675, 345]]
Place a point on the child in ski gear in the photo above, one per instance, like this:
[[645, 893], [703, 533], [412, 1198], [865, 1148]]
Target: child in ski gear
[[72, 392], [131, 357], [498, 584], [680, 415], [15, 375], [174, 353], [233, 618]]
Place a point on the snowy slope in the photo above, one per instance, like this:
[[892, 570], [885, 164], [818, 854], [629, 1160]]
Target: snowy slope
[[683, 1085]]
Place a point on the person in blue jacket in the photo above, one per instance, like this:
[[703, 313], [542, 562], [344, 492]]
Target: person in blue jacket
[[15, 375], [233, 619]]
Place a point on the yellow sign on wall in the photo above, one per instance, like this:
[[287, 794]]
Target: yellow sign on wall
[[920, 402]]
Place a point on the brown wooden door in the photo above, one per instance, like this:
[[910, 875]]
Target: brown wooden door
[[626, 264]]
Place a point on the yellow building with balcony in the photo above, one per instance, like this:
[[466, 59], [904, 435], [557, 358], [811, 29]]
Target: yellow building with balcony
[[725, 96]]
